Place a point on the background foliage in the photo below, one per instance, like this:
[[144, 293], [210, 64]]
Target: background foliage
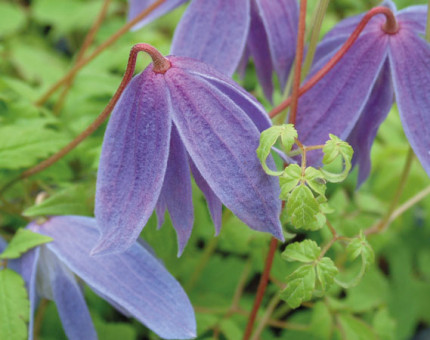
[[39, 40]]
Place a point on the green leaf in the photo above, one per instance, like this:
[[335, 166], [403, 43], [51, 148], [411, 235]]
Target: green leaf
[[384, 325], [300, 285], [289, 179], [268, 138], [355, 329], [14, 306], [326, 271], [359, 246], [288, 136], [333, 149], [23, 241], [305, 251], [303, 209], [12, 18], [74, 200], [315, 179], [22, 146]]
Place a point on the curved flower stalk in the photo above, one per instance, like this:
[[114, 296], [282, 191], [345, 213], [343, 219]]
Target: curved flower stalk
[[389, 60], [134, 282], [184, 115], [226, 33]]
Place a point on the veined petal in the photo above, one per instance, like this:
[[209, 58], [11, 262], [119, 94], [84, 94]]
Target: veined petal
[[336, 102], [410, 66], [213, 31], [29, 271], [177, 192], [221, 140], [280, 19], [258, 47], [376, 110], [242, 98], [414, 17], [133, 162], [134, 279], [214, 204], [68, 297], [137, 6]]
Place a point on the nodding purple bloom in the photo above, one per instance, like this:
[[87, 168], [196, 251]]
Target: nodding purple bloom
[[134, 282], [353, 99], [226, 33], [166, 123]]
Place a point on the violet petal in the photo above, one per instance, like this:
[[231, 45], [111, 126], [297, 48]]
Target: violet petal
[[409, 57], [214, 32], [376, 110], [177, 192], [221, 140], [133, 162], [134, 279], [137, 6]]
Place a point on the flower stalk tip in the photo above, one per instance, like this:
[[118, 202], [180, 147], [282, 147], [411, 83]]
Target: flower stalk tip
[[161, 64]]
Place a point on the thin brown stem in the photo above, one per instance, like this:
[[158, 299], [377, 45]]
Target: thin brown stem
[[39, 318], [86, 44], [124, 29], [266, 317], [261, 287], [160, 65], [338, 55]]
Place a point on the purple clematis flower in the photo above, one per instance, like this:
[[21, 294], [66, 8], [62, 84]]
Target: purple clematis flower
[[226, 33], [134, 282], [188, 116], [353, 99]]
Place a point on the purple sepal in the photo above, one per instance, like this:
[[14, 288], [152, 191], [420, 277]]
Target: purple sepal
[[214, 32], [134, 279], [137, 6], [410, 66], [133, 162]]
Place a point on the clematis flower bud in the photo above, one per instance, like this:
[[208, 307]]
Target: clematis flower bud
[[390, 59], [179, 114]]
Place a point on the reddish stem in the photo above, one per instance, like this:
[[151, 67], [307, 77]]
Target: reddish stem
[[161, 65], [261, 288], [390, 27], [299, 58]]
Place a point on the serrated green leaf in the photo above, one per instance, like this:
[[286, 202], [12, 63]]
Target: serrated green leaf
[[315, 180], [74, 200], [22, 146], [326, 272], [303, 209], [333, 149], [14, 306], [300, 285], [268, 138], [288, 136], [23, 241], [305, 251], [359, 246], [289, 179]]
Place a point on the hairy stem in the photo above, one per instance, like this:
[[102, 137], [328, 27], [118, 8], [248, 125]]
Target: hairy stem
[[124, 29], [86, 44], [261, 288], [338, 56], [160, 65]]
